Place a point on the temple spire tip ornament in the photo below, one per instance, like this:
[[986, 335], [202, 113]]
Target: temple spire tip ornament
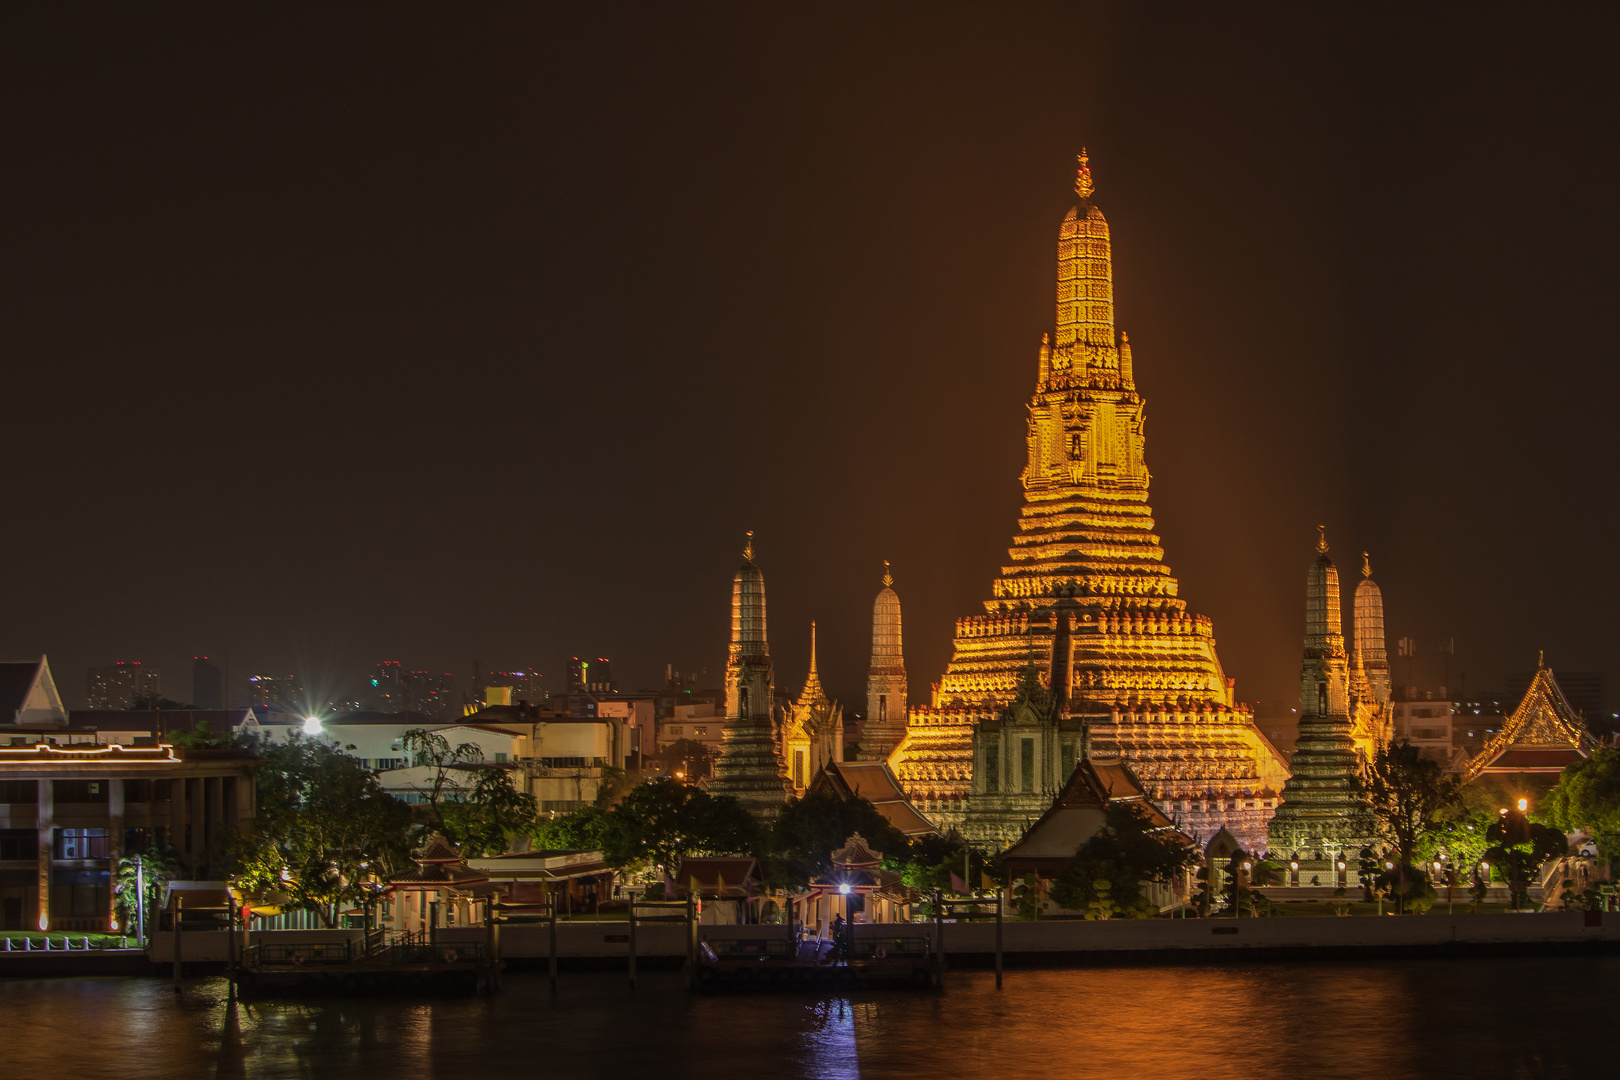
[[1083, 186], [888, 578], [1366, 565], [1321, 540], [748, 548]]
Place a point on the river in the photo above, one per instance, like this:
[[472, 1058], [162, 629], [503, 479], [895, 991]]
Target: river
[[1476, 1019]]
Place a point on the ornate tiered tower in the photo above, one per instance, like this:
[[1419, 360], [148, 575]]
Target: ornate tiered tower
[[749, 766], [1323, 814], [885, 723], [1371, 647], [1371, 724], [1086, 594], [812, 729]]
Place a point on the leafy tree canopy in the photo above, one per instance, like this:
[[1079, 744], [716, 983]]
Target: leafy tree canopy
[[1587, 797], [811, 828], [1409, 794], [324, 826], [491, 814], [664, 821], [1125, 852]]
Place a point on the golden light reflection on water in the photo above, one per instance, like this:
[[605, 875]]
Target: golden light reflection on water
[[1474, 1018]]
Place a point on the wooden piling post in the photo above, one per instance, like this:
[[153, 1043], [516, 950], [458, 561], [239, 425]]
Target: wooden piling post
[[999, 894], [179, 905], [553, 953], [632, 940]]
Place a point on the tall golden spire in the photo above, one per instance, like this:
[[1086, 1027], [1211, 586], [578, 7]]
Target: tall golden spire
[[812, 694], [1083, 186]]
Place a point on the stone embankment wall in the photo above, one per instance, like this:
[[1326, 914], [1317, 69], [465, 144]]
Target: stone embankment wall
[[1123, 940]]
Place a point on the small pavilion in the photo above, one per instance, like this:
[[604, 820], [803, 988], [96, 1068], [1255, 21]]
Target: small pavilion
[[858, 888], [442, 891]]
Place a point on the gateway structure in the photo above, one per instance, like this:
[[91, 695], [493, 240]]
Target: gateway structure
[[1125, 669]]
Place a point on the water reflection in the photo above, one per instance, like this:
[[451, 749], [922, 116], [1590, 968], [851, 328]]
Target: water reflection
[[1479, 1018]]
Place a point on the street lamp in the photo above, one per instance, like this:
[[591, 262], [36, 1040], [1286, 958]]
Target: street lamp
[[1524, 804]]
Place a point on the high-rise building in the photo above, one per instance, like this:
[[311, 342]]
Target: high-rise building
[[284, 692], [1323, 818], [590, 676], [885, 723], [207, 684], [524, 683], [121, 684], [1087, 596], [749, 766]]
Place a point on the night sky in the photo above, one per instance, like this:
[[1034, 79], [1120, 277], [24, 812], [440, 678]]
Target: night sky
[[335, 336]]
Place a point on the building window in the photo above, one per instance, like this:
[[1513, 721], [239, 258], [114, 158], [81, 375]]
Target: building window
[[19, 791], [798, 768], [675, 731], [992, 767], [82, 844], [18, 845], [79, 894], [1026, 763], [742, 701], [79, 791], [500, 759], [700, 731], [1067, 759]]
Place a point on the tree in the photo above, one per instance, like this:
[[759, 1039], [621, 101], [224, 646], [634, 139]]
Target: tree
[[324, 827], [664, 821], [492, 813], [432, 751], [687, 756], [155, 868], [1127, 851], [1587, 797], [1409, 794], [586, 829], [810, 829], [1519, 847]]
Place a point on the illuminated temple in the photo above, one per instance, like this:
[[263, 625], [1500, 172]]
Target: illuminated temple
[[1085, 645]]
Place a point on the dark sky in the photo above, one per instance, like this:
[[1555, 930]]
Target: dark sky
[[338, 336]]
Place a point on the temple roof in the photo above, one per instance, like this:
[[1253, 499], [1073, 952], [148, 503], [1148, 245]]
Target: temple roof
[[1079, 810], [874, 782], [437, 850], [717, 877], [1542, 735], [856, 853]]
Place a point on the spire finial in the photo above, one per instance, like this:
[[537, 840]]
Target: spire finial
[[812, 646], [748, 548], [1541, 658], [888, 579], [1321, 539], [1366, 565], [1083, 186]]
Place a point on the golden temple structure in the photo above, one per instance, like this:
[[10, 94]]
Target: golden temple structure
[[750, 762], [812, 729], [1541, 738], [1324, 819], [1086, 598], [885, 723]]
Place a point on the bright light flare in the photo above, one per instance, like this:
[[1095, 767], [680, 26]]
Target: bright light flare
[[312, 725]]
